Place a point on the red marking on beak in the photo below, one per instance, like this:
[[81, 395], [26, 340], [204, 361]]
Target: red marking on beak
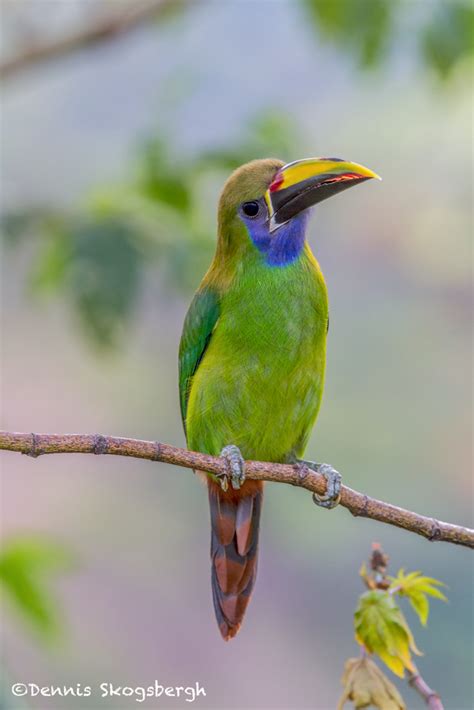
[[343, 178], [277, 181]]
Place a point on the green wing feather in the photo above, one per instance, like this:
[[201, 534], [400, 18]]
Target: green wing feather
[[197, 331]]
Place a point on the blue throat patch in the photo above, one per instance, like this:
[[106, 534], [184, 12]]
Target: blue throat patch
[[283, 246]]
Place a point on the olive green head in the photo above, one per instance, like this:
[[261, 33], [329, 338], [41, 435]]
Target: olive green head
[[249, 183]]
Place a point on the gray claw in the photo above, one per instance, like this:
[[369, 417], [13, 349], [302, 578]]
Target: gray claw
[[333, 486], [235, 466]]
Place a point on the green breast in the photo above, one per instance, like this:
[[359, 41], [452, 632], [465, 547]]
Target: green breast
[[260, 383]]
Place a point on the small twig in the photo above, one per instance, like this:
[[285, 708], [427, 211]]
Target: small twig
[[113, 25], [430, 697], [357, 503]]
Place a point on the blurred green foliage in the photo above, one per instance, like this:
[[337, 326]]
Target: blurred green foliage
[[96, 256], [362, 27], [28, 566], [449, 37], [443, 30]]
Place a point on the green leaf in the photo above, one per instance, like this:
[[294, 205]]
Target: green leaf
[[27, 566], [417, 588], [421, 606], [382, 629]]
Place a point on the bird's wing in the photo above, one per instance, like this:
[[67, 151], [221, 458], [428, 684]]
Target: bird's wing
[[197, 331]]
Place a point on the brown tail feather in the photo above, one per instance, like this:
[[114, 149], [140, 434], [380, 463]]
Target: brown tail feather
[[235, 517]]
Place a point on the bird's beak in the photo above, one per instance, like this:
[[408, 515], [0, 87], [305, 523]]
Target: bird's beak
[[301, 184]]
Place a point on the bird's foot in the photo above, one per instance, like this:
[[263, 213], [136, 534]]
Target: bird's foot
[[333, 484], [235, 467]]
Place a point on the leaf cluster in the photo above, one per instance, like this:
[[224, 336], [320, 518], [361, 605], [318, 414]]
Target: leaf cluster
[[380, 626], [382, 630]]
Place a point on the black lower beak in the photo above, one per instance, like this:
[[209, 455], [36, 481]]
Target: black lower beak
[[304, 183]]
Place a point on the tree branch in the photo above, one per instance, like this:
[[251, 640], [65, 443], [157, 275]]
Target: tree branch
[[106, 28], [296, 475]]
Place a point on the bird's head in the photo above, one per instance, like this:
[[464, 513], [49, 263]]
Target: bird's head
[[265, 203]]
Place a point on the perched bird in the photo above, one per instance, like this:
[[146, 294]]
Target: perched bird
[[253, 351]]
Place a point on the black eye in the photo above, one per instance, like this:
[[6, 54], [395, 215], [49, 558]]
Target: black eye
[[250, 209]]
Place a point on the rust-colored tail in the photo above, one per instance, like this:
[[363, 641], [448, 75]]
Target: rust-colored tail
[[235, 517]]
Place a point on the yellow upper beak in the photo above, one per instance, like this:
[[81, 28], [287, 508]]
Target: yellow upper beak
[[304, 183]]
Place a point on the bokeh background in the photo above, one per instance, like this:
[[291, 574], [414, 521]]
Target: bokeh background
[[113, 154]]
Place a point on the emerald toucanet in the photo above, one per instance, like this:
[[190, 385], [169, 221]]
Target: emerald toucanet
[[253, 351]]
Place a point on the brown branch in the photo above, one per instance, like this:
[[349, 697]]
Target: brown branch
[[357, 503], [430, 697], [107, 28]]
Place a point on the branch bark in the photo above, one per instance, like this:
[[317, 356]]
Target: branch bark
[[357, 503], [431, 698], [107, 28]]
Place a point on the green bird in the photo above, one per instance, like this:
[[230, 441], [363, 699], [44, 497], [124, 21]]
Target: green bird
[[253, 354]]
